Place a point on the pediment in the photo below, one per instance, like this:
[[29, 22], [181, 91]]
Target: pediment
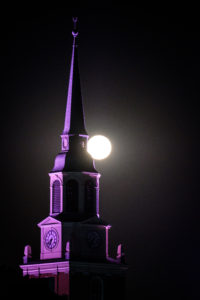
[[48, 221]]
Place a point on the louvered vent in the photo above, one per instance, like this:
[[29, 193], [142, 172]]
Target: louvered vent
[[56, 197], [72, 195], [90, 203]]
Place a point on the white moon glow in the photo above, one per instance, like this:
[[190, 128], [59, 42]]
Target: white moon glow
[[99, 147]]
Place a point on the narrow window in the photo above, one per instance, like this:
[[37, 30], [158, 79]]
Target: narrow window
[[90, 204], [56, 197], [72, 195], [96, 288]]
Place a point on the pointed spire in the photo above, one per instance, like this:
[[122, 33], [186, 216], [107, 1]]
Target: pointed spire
[[74, 117]]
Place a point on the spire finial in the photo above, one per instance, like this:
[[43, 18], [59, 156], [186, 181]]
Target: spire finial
[[75, 19], [75, 32]]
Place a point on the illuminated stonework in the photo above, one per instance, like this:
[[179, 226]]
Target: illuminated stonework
[[74, 243]]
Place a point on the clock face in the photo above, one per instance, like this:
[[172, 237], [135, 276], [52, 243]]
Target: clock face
[[51, 239], [94, 239]]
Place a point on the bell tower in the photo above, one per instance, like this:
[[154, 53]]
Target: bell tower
[[74, 240], [74, 181]]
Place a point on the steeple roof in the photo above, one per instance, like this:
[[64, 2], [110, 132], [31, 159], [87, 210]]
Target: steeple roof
[[74, 156], [74, 117]]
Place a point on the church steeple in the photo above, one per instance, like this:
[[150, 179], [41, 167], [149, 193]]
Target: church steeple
[[74, 240], [74, 116], [74, 156]]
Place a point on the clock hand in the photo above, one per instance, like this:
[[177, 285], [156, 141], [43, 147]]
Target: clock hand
[[50, 242]]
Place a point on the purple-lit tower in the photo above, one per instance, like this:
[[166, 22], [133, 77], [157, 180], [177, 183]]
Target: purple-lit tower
[[74, 239]]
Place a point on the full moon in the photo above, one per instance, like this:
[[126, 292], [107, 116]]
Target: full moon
[[99, 147]]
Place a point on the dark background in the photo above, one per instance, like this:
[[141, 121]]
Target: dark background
[[140, 85]]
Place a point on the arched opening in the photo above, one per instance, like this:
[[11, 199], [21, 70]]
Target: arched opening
[[96, 288], [56, 197], [72, 195], [90, 203]]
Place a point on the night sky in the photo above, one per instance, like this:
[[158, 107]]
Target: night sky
[[140, 86]]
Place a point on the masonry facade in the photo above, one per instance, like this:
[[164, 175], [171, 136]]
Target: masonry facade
[[74, 243]]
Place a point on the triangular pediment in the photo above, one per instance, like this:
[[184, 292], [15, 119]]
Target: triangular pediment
[[48, 221]]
